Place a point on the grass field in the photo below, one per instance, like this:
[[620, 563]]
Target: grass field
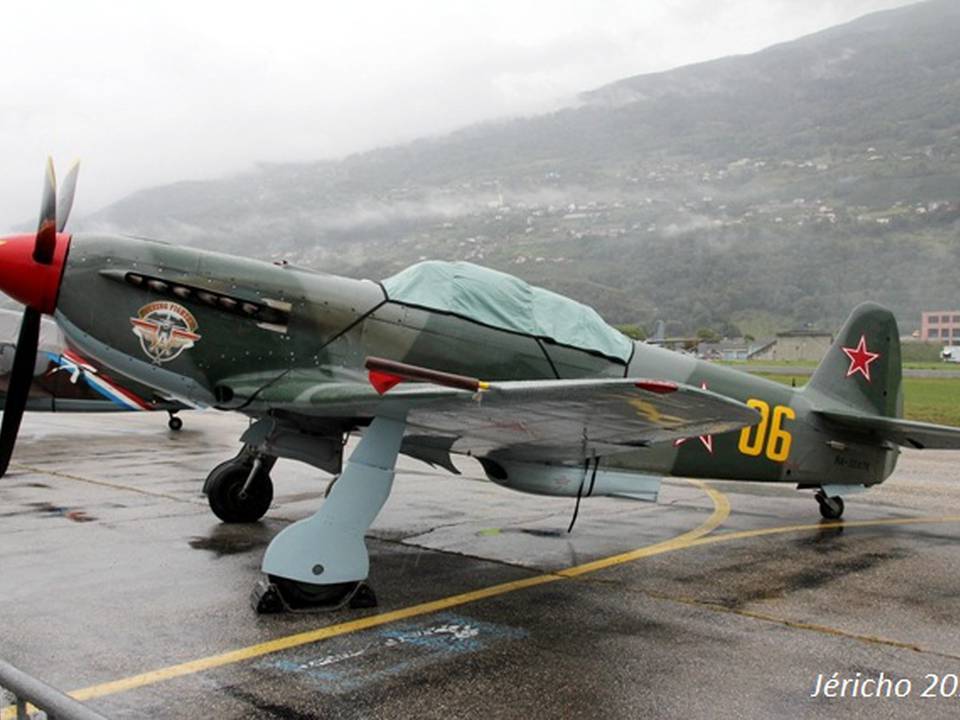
[[935, 400], [811, 364]]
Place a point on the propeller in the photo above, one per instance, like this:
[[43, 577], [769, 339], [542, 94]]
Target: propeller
[[18, 389], [53, 218]]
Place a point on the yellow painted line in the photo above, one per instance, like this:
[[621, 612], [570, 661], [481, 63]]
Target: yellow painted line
[[721, 510], [305, 638], [693, 538], [784, 529]]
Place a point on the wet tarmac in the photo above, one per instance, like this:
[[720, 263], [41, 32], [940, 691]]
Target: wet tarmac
[[724, 600]]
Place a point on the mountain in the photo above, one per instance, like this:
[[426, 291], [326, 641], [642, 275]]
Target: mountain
[[764, 191]]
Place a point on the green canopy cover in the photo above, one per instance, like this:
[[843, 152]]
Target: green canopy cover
[[503, 301]]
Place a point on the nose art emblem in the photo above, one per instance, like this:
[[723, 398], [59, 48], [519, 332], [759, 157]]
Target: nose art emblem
[[165, 330]]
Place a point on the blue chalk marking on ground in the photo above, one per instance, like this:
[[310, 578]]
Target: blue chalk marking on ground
[[354, 661]]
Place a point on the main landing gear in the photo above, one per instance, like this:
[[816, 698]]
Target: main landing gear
[[275, 594], [321, 562], [831, 508], [240, 490]]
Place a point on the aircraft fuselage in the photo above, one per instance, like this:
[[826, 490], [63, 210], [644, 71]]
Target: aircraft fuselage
[[206, 327]]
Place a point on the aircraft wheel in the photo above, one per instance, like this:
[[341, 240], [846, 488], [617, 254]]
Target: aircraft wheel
[[174, 423], [831, 508], [281, 594], [229, 503]]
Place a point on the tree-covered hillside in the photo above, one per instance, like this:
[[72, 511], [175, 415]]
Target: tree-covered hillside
[[766, 190]]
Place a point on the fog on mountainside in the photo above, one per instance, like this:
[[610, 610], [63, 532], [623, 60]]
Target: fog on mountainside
[[765, 191]]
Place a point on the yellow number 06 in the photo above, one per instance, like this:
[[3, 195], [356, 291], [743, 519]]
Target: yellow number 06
[[769, 432]]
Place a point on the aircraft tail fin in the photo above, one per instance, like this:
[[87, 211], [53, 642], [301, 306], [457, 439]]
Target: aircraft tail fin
[[861, 371]]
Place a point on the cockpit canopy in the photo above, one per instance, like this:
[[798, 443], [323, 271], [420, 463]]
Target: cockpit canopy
[[505, 302]]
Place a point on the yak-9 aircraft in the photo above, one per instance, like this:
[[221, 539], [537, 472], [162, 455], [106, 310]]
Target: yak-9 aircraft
[[442, 359]]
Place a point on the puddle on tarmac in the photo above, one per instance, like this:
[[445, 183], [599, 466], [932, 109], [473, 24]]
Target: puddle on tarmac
[[232, 539]]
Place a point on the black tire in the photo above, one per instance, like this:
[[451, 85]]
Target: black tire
[[223, 493], [307, 596], [831, 508], [175, 423]]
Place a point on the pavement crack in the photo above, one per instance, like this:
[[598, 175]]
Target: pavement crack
[[107, 484], [530, 519], [469, 556], [431, 530]]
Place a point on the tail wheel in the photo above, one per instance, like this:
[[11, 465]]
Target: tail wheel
[[831, 508], [229, 502]]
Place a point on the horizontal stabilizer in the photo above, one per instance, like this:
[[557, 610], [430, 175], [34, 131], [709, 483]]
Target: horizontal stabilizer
[[902, 432]]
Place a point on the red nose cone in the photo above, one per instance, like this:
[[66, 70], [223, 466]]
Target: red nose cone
[[26, 280]]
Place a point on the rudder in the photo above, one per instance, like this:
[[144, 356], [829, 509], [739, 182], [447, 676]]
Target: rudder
[[862, 369]]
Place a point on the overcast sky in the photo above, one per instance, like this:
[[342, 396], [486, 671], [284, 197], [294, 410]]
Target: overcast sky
[[150, 92]]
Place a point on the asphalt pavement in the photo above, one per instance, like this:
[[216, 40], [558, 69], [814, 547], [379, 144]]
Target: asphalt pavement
[[725, 600]]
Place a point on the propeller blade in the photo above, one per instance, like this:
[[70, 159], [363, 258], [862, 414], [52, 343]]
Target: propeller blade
[[67, 190], [18, 390], [47, 228]]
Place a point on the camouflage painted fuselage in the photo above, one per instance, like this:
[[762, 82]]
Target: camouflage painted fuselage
[[247, 324]]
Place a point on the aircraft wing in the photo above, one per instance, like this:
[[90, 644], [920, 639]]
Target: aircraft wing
[[523, 420], [908, 433]]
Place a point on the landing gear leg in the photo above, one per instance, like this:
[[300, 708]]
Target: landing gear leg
[[174, 423], [320, 563], [831, 508]]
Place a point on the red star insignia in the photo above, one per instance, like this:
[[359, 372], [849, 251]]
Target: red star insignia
[[707, 440], [860, 358]]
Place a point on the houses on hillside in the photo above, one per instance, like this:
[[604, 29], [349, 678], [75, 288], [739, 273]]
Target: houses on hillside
[[791, 346]]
